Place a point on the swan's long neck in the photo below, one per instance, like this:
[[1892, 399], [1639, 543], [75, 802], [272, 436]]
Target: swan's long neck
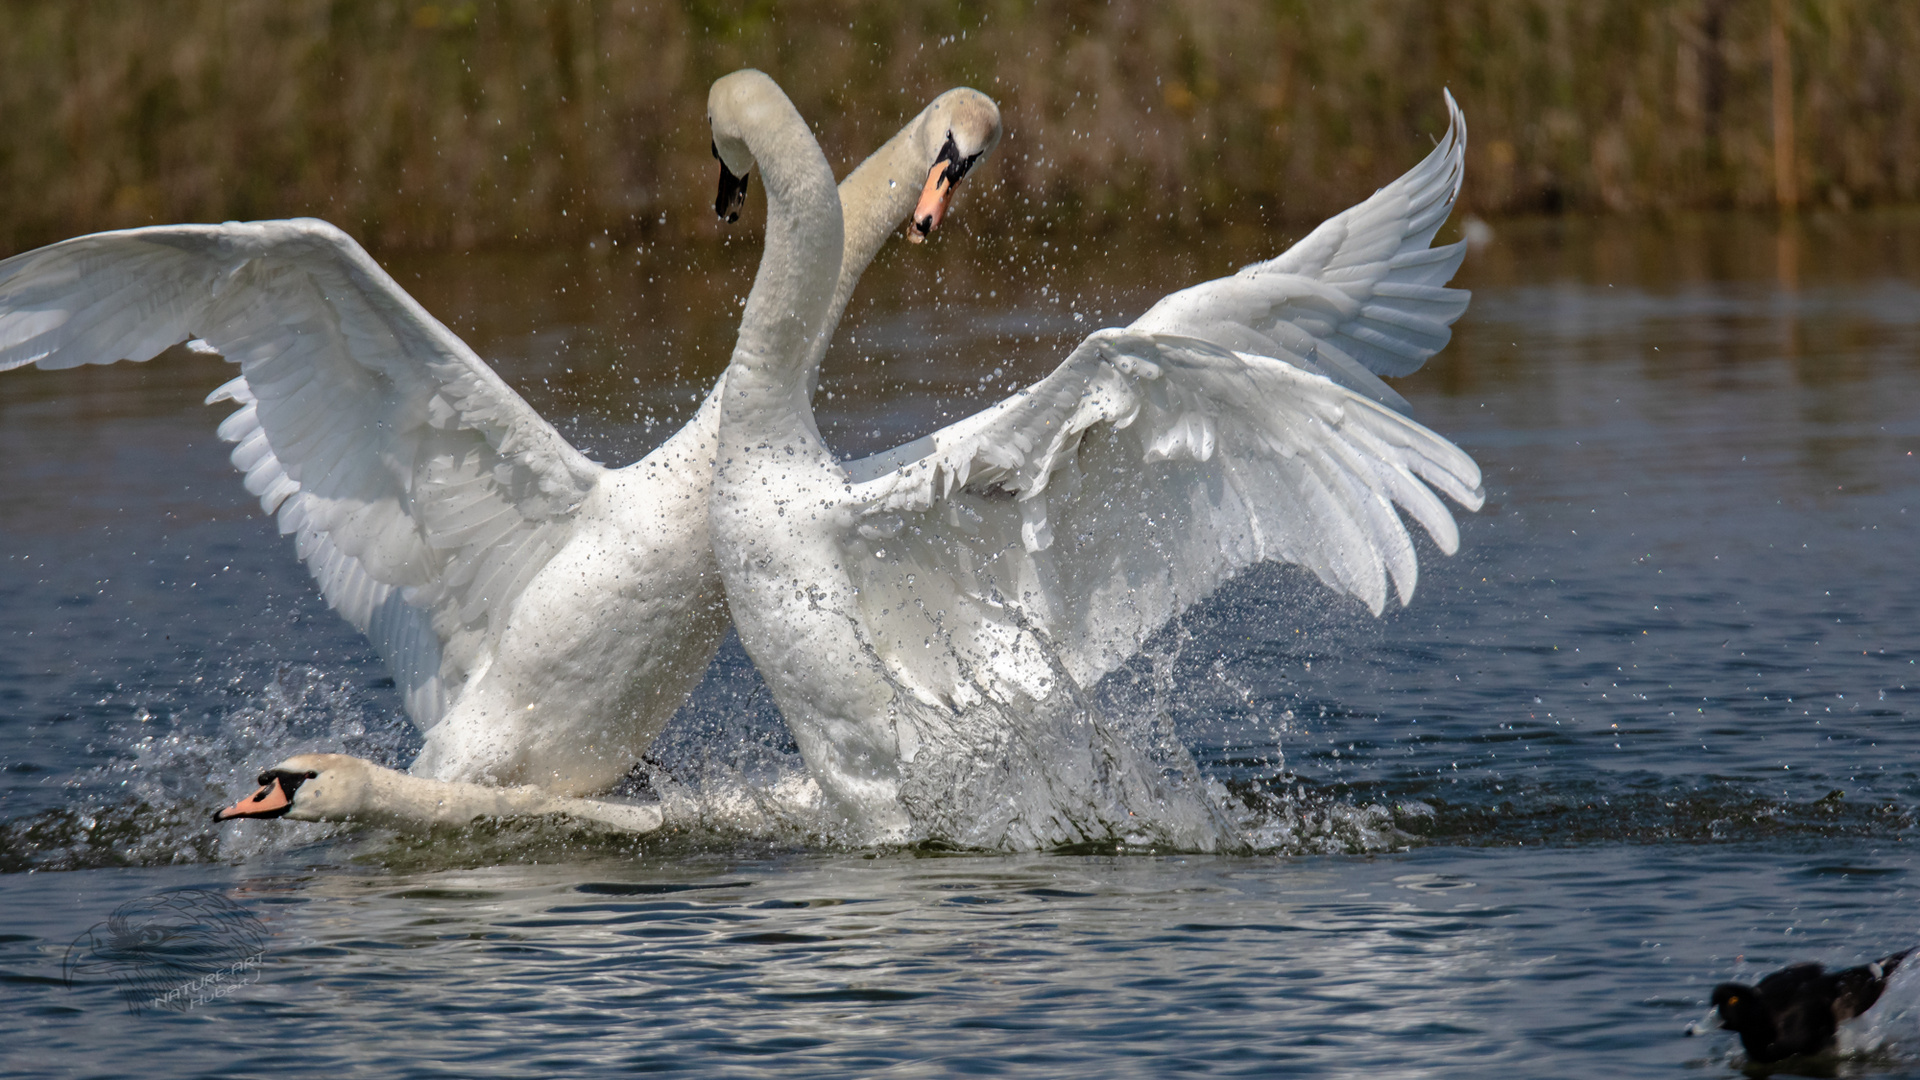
[[874, 199], [353, 789], [785, 322]]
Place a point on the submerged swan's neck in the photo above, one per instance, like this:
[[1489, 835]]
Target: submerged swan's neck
[[786, 312]]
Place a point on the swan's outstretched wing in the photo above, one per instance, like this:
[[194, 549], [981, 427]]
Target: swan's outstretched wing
[[1361, 296], [1236, 422], [421, 491]]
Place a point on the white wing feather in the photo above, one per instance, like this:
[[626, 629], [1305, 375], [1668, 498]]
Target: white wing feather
[[1236, 422], [421, 491]]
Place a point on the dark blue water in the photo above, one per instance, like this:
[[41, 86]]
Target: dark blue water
[[1648, 731]]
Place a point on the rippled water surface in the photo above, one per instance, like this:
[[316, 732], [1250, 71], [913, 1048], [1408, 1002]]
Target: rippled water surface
[[1649, 730]]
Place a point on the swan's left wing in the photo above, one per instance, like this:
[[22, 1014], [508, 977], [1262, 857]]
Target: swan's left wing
[[1237, 422], [421, 491]]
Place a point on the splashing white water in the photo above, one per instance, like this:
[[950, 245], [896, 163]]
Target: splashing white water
[[1891, 1028], [725, 774]]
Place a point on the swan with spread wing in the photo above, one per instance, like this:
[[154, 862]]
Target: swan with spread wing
[[931, 620], [543, 615]]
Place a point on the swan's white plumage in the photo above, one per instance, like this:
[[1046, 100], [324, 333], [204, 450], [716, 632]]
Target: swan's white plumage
[[543, 616], [421, 491], [931, 619], [1236, 422]]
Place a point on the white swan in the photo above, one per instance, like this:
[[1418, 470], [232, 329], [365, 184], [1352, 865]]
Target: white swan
[[929, 619], [338, 787], [543, 616]]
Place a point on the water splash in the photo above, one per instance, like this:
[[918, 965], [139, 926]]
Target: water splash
[[1153, 776], [1891, 1028], [151, 805]]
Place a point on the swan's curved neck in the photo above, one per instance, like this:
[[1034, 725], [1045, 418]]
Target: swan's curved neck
[[785, 320], [874, 199]]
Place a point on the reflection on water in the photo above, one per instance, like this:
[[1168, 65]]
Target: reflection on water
[[1653, 718]]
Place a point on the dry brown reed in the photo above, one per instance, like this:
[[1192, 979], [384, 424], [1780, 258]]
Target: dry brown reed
[[456, 125]]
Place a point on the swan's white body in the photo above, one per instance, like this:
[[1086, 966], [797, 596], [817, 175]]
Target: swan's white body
[[929, 620], [543, 616]]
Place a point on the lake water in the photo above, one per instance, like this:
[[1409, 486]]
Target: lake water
[[1649, 730]]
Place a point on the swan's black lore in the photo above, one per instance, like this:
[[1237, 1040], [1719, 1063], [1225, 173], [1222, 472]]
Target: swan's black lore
[[733, 190], [288, 782]]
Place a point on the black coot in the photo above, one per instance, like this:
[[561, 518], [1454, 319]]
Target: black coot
[[1797, 1009]]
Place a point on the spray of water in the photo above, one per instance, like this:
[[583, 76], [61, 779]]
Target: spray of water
[[1105, 770]]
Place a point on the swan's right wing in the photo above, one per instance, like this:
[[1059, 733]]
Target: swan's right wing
[[421, 491], [1361, 296], [1237, 422], [1073, 520]]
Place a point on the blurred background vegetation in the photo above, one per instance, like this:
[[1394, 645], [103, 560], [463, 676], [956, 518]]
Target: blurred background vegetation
[[456, 125]]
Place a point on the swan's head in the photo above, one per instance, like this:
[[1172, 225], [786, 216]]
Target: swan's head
[[734, 105], [307, 787], [961, 127]]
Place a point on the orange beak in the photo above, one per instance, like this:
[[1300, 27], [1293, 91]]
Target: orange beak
[[934, 200], [271, 800]]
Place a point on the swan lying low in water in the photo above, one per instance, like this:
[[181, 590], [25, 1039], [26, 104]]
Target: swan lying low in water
[[339, 787], [543, 616], [930, 620]]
